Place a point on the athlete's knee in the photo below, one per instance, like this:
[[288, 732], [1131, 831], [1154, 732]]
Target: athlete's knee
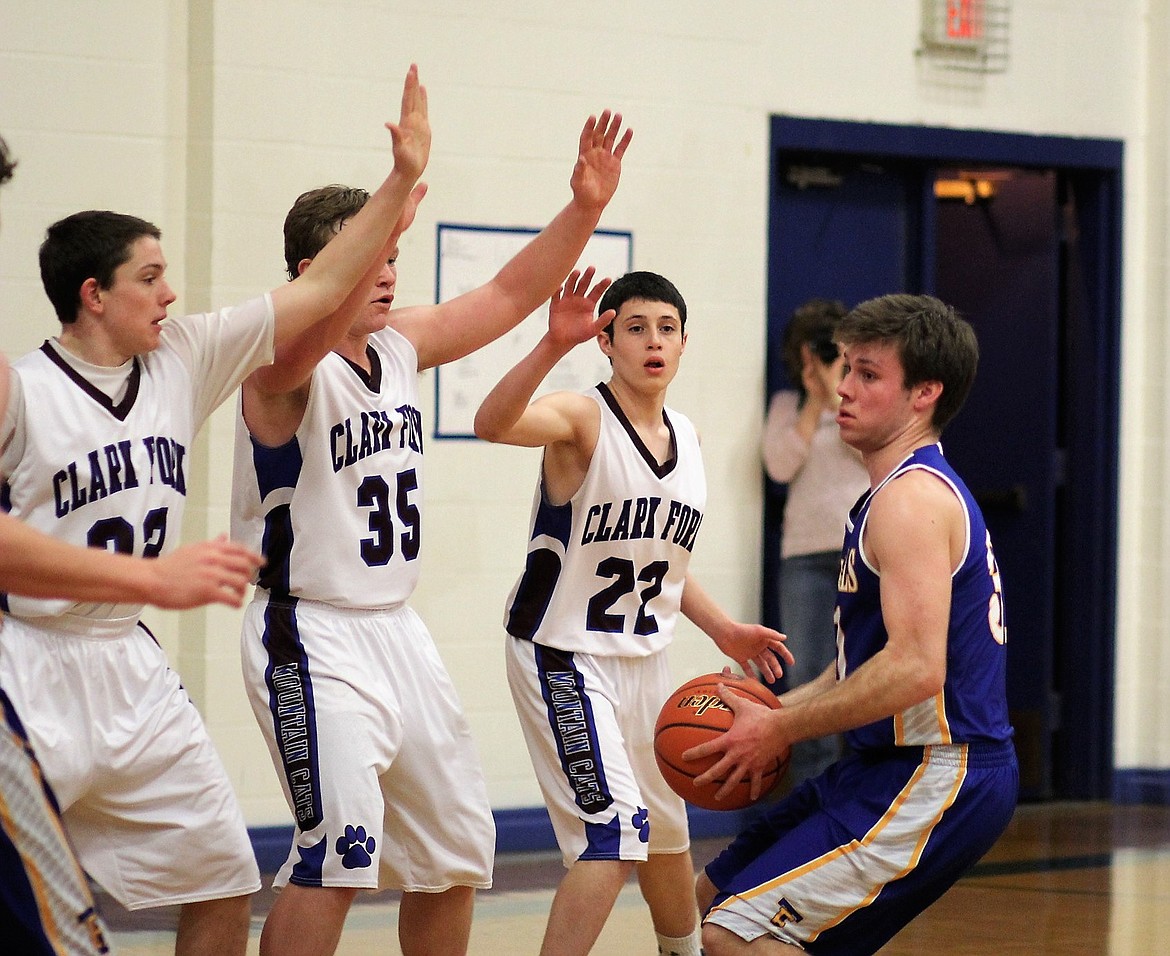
[[718, 941]]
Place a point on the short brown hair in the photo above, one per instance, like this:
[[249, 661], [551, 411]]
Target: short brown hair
[[934, 344], [315, 218]]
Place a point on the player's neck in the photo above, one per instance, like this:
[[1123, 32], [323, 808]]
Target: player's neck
[[94, 349], [642, 408], [353, 348], [880, 462]]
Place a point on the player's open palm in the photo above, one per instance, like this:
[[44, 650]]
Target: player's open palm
[[412, 133], [599, 160], [571, 311]]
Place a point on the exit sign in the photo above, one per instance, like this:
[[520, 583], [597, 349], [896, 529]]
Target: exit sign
[[964, 20], [971, 34], [953, 23]]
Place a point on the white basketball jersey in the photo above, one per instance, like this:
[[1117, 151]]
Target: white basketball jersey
[[115, 474], [605, 571], [337, 510]]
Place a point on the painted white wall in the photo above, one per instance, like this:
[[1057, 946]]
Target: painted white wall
[[210, 117]]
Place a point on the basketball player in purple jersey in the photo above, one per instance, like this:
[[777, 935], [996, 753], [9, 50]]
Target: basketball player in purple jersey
[[329, 456], [918, 688]]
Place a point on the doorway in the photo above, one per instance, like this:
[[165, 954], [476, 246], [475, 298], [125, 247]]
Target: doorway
[[1022, 235]]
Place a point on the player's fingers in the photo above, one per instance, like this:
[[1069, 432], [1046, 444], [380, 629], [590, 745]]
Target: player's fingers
[[585, 143], [601, 134], [583, 282], [409, 89], [784, 653], [730, 697], [622, 146], [730, 783], [705, 749], [598, 290], [611, 131], [757, 785], [762, 666]]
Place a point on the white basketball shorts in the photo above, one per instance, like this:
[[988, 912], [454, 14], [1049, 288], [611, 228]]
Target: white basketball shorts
[[589, 725], [371, 746], [143, 794]]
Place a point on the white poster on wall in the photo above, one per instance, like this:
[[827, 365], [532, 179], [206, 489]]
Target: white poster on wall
[[468, 257]]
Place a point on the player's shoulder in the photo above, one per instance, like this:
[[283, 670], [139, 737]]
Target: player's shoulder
[[915, 495], [34, 359]]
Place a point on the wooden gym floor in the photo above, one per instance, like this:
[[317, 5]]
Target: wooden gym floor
[[1074, 879]]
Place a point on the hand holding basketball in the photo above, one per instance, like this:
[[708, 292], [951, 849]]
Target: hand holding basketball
[[695, 714]]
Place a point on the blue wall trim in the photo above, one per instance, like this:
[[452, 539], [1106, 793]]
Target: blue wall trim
[[528, 830], [1142, 785], [521, 830]]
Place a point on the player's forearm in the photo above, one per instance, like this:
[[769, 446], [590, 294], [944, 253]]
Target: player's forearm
[[295, 360], [36, 565], [339, 270], [700, 609], [884, 685], [531, 276], [506, 403]]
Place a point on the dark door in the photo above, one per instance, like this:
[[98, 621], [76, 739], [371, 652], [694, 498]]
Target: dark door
[[997, 261]]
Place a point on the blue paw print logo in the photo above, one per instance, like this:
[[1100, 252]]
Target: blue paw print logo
[[641, 822], [355, 848]]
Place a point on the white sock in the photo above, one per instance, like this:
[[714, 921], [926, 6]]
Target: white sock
[[683, 946]]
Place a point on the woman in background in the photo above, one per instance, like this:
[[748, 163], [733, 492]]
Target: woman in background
[[802, 449]]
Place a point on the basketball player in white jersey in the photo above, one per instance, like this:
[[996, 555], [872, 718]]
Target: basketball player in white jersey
[[361, 718], [618, 505], [45, 903], [96, 438]]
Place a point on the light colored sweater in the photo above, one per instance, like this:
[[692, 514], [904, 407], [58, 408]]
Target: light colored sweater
[[824, 477]]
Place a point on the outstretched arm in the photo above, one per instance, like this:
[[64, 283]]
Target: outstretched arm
[[36, 565], [335, 272], [450, 330], [746, 644], [508, 415]]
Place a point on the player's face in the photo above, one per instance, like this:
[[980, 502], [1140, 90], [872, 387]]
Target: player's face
[[876, 406], [647, 343], [135, 304], [373, 317]]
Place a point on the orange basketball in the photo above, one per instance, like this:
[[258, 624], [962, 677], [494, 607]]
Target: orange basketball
[[694, 714]]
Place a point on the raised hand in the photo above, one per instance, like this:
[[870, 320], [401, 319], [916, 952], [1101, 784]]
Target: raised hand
[[571, 311], [599, 159], [412, 133]]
